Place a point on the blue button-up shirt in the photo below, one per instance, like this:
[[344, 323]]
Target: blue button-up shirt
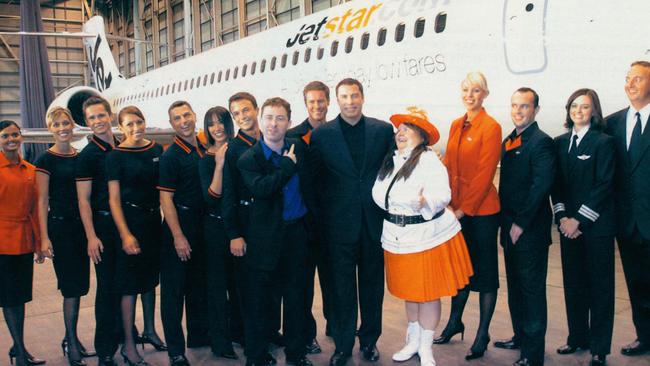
[[294, 206]]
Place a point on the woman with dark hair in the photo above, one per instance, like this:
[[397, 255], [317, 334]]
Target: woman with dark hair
[[19, 238], [473, 152], [60, 226], [132, 175], [424, 252], [583, 204], [223, 299]]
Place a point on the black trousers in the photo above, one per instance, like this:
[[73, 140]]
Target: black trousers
[[318, 258], [108, 323], [184, 283], [362, 260], [288, 278], [223, 297], [588, 276], [526, 274], [635, 255]]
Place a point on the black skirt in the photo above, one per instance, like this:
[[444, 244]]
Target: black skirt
[[480, 234], [140, 273], [71, 262], [16, 274]]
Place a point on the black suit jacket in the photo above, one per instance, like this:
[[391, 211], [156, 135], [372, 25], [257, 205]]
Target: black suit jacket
[[264, 234], [632, 179], [299, 131], [235, 216], [583, 187], [344, 193], [527, 174]]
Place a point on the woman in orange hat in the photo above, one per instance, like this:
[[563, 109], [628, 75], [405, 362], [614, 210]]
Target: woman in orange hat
[[424, 251], [473, 152]]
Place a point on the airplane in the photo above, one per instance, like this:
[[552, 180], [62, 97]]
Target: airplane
[[405, 53]]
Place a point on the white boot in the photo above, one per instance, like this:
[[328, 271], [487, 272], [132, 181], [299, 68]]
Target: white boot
[[425, 351], [410, 349]]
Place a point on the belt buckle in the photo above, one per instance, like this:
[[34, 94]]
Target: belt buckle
[[401, 220]]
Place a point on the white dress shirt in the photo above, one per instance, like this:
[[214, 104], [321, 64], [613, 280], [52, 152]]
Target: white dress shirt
[[430, 178], [580, 135], [631, 121]]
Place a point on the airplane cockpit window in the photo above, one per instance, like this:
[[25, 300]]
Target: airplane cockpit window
[[334, 49], [263, 65], [227, 74], [212, 79], [441, 22], [348, 44], [253, 67], [294, 60], [399, 32], [381, 37], [365, 39], [243, 70], [419, 28], [234, 74], [307, 54], [320, 52], [283, 61], [273, 60]]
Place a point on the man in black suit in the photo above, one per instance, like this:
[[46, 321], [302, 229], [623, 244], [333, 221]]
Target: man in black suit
[[527, 172], [276, 173], [348, 152], [317, 99], [630, 131]]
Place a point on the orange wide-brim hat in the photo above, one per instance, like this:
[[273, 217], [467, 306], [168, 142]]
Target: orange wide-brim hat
[[417, 117]]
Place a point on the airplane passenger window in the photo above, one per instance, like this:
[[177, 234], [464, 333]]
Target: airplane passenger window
[[185, 86], [263, 65], [198, 81], [253, 66], [243, 70], [234, 74], [174, 88], [205, 80], [180, 83], [273, 63], [365, 39], [227, 74], [441, 22], [307, 54], [381, 37], [212, 79], [334, 49], [348, 44], [419, 28], [295, 58], [192, 84], [320, 52], [399, 32], [283, 61], [219, 77], [167, 92]]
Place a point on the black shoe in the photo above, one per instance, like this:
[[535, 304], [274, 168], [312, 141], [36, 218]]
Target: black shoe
[[82, 350], [598, 360], [267, 360], [159, 346], [31, 360], [106, 361], [507, 344], [179, 360], [635, 348], [448, 333], [313, 347], [128, 362], [301, 361], [568, 349], [339, 359], [229, 354], [478, 348], [370, 353]]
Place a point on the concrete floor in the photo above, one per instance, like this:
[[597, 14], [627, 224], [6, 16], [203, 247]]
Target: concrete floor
[[44, 328]]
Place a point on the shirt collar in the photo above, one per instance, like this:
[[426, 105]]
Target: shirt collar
[[187, 148], [103, 145], [250, 141], [268, 152], [644, 112], [5, 162], [476, 119], [580, 133], [347, 125]]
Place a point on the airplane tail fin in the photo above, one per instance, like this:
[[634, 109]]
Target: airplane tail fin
[[105, 72]]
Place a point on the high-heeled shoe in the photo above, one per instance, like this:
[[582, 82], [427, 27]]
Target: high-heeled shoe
[[31, 360], [447, 334], [66, 353], [142, 362], [478, 348], [82, 350], [146, 339]]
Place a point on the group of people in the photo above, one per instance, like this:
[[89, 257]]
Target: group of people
[[248, 217]]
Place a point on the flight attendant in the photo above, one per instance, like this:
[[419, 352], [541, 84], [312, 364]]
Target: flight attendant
[[60, 226], [19, 238], [473, 152], [132, 175], [583, 204], [223, 298]]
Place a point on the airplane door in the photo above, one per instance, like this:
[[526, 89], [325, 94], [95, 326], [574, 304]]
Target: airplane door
[[524, 28]]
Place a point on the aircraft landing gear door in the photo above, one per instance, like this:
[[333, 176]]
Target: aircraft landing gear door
[[524, 30]]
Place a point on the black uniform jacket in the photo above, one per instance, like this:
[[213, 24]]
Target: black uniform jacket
[[344, 193], [527, 174], [632, 179], [583, 187], [235, 214], [264, 234], [301, 131]]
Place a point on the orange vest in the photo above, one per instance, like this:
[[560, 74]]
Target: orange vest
[[472, 155]]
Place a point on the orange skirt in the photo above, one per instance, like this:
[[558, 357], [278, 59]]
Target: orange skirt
[[426, 276]]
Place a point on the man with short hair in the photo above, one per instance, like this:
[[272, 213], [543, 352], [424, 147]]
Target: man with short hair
[[101, 233], [527, 174], [348, 152], [317, 99], [276, 173], [629, 127], [182, 275]]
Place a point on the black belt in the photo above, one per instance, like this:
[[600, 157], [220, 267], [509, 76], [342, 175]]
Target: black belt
[[102, 212], [245, 202], [215, 216], [148, 209], [403, 220], [186, 208], [292, 221], [63, 218]]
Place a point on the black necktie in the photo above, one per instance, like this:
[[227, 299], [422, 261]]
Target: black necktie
[[573, 150], [635, 141]]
